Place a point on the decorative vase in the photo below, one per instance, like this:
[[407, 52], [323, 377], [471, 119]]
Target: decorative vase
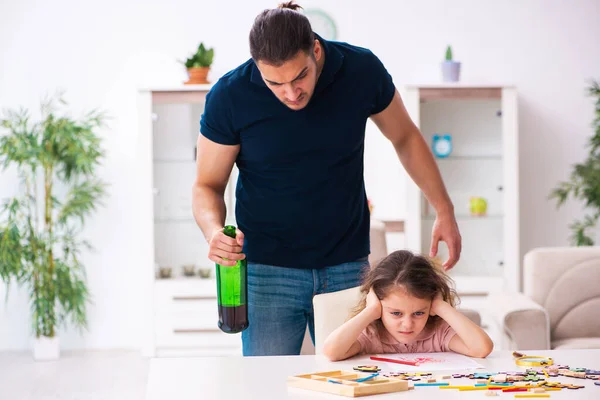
[[197, 75], [46, 348], [189, 270], [451, 71], [204, 272], [165, 272]]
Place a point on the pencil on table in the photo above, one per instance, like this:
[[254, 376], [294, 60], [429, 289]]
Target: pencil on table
[[393, 360]]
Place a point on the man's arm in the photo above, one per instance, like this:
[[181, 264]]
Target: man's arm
[[214, 163], [396, 125]]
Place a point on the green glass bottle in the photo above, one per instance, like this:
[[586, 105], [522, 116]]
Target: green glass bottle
[[232, 292]]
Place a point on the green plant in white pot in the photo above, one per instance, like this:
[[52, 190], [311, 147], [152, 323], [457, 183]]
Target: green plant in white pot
[[450, 68], [40, 227]]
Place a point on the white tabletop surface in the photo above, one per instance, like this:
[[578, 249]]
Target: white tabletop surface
[[265, 378]]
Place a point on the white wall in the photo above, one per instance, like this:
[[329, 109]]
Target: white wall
[[102, 52]]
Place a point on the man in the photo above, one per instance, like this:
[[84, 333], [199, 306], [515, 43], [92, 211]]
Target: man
[[293, 120]]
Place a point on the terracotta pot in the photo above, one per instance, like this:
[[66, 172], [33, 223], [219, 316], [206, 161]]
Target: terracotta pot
[[197, 75]]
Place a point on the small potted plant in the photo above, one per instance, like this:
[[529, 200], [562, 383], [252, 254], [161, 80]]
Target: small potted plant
[[198, 65], [450, 68]]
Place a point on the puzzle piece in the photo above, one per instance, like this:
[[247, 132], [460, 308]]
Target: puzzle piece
[[367, 368], [592, 372], [394, 375], [417, 373], [569, 386], [564, 372], [403, 375], [551, 384], [573, 374], [482, 375], [561, 385], [533, 378]]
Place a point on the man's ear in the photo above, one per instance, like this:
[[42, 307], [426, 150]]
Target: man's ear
[[317, 50]]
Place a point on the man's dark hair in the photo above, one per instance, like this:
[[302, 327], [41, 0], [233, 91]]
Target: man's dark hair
[[279, 34]]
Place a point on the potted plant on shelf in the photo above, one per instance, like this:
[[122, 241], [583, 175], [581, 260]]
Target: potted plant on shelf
[[40, 227], [584, 184], [198, 65], [450, 68]]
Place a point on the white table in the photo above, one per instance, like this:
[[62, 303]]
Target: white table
[[265, 378]]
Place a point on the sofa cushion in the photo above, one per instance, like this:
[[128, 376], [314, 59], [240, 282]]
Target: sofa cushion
[[473, 315], [577, 343], [564, 282]]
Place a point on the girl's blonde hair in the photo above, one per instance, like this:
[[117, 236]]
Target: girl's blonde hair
[[416, 274]]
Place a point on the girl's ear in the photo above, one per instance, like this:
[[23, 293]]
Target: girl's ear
[[431, 310]]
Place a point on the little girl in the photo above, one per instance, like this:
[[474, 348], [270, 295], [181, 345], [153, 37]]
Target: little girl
[[407, 307]]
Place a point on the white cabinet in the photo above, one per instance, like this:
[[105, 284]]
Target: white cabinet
[[182, 311], [185, 319], [483, 163]]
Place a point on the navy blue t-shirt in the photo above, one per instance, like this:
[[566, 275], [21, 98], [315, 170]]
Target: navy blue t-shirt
[[300, 195]]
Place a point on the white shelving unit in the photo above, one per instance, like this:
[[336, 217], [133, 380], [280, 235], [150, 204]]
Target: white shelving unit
[[182, 316], [482, 121]]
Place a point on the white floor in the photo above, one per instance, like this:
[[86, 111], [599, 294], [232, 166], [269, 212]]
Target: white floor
[[78, 375]]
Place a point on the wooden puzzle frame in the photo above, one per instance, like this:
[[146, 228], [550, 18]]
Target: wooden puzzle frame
[[343, 383]]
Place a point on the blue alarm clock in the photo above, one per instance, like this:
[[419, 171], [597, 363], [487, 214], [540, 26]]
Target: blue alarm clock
[[441, 145]]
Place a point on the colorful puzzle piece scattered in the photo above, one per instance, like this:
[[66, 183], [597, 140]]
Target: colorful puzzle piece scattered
[[592, 372], [482, 375], [533, 380], [367, 368]]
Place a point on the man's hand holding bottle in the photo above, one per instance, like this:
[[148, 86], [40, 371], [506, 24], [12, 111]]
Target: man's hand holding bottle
[[225, 250]]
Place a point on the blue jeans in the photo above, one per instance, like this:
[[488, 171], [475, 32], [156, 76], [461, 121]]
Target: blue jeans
[[280, 303]]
